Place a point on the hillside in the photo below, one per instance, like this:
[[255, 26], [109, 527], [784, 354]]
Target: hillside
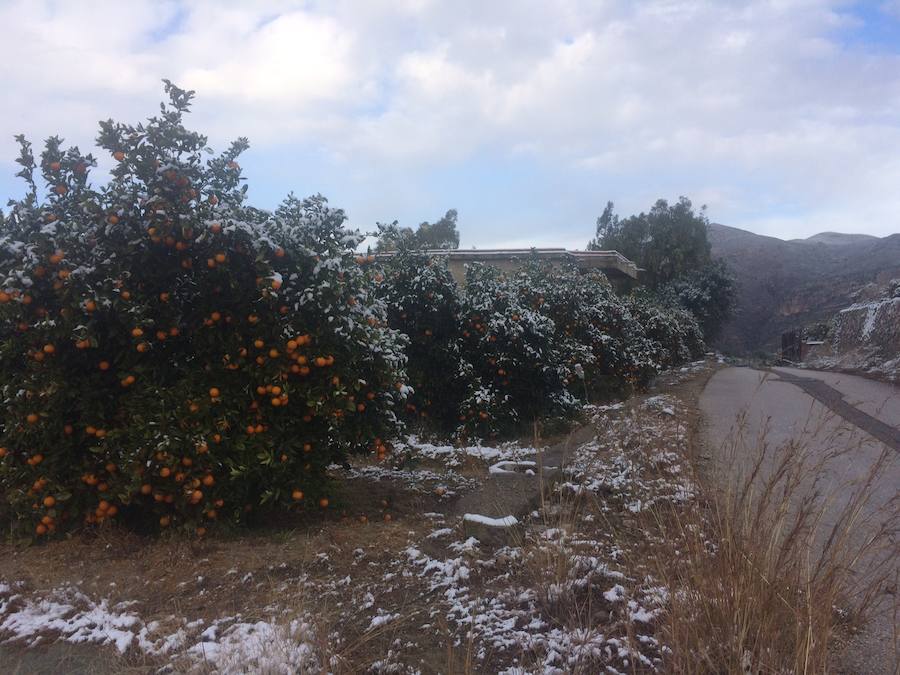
[[784, 284]]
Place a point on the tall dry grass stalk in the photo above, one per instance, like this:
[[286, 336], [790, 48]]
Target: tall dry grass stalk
[[782, 556]]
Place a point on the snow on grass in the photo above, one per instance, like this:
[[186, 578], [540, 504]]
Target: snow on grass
[[228, 646], [452, 456], [259, 647]]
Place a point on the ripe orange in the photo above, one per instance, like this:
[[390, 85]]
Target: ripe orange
[[273, 353], [146, 489], [208, 480], [297, 495], [136, 332], [37, 459], [164, 297], [3, 452], [113, 219], [215, 228], [60, 190], [201, 531], [276, 284], [164, 521], [142, 347], [165, 472], [220, 257], [126, 295], [323, 502], [196, 496], [276, 402], [31, 418], [214, 392], [215, 316], [4, 297], [118, 155], [103, 365], [55, 166], [49, 349], [49, 501], [186, 461], [41, 529]]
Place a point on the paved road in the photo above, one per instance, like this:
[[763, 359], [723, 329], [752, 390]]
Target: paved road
[[827, 413]]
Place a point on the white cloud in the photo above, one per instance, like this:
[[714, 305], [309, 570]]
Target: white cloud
[[756, 104]]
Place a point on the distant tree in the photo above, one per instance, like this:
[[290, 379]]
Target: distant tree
[[440, 234], [671, 245], [667, 242], [392, 237]]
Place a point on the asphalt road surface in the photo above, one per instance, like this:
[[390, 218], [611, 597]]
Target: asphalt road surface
[[826, 413]]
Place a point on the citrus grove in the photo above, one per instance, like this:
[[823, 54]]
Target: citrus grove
[[171, 357], [518, 346]]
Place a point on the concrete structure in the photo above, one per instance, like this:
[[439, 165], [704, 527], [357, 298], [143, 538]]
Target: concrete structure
[[612, 263]]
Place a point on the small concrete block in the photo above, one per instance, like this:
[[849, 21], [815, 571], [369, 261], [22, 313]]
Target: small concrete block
[[506, 531]]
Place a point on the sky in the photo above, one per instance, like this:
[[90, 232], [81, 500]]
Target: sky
[[782, 116]]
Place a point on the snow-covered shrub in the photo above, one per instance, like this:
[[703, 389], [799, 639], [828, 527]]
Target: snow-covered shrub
[[522, 372], [606, 346], [170, 355], [423, 302], [675, 334]]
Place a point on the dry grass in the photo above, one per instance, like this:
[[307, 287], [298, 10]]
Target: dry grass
[[766, 577]]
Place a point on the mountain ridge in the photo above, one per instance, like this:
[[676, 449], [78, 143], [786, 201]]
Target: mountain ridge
[[785, 284]]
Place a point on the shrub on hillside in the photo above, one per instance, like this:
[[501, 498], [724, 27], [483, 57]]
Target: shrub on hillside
[[169, 355]]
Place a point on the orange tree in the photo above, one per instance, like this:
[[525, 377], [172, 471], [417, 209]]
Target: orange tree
[[423, 302], [606, 346], [674, 333], [172, 356], [521, 372]]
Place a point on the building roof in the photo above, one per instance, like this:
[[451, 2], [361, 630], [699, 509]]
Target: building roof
[[612, 263]]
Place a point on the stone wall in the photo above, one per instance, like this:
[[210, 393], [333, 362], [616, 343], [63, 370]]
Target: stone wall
[[866, 336]]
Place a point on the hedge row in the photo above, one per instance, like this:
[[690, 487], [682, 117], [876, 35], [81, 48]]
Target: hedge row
[[515, 347]]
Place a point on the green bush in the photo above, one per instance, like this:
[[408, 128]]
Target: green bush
[[172, 356], [423, 302]]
